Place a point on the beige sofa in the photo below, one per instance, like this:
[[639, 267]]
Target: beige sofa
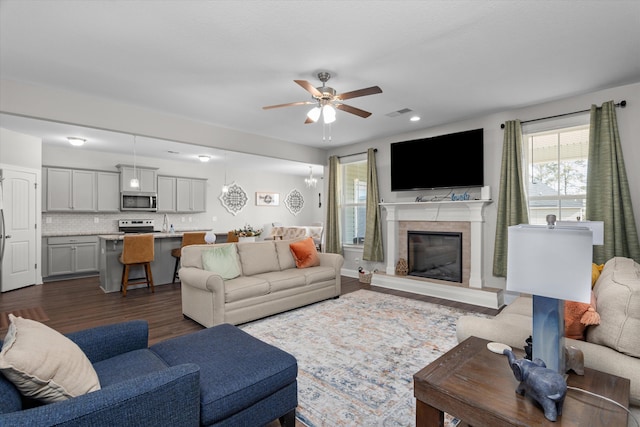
[[612, 347], [269, 283]]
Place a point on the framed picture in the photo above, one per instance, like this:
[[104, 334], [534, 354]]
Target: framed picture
[[267, 199]]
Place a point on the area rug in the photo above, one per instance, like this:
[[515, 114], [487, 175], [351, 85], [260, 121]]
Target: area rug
[[357, 355], [33, 313]]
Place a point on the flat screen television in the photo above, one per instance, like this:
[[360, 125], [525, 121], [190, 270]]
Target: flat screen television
[[447, 161]]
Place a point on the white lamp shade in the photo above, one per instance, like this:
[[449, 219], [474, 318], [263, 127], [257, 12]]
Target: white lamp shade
[[596, 227], [329, 114], [134, 183], [550, 262], [314, 114]]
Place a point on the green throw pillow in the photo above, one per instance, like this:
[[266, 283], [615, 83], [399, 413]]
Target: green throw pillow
[[222, 260]]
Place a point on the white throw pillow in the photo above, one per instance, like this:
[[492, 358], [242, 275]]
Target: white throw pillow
[[44, 364]]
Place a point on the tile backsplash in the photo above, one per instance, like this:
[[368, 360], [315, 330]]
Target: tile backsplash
[[102, 223]]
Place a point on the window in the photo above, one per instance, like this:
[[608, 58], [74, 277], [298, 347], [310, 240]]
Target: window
[[556, 172], [354, 202]]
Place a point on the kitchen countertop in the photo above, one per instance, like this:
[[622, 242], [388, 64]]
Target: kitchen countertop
[[118, 235]]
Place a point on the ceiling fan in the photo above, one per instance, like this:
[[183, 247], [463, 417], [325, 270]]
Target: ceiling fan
[[326, 100]]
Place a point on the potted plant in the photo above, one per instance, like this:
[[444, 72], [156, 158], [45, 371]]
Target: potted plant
[[247, 233]]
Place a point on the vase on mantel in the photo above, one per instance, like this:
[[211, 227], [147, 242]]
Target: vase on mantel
[[246, 239]]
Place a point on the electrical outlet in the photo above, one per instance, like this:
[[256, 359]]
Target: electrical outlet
[[96, 220], [48, 220], [215, 218], [190, 219], [182, 219]]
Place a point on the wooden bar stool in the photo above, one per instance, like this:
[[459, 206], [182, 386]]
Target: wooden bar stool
[[187, 239], [137, 249]]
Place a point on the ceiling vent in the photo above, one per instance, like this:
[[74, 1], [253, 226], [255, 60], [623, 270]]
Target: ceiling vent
[[399, 112]]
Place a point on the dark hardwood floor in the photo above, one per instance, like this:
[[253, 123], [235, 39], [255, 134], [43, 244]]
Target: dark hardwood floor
[[71, 305]]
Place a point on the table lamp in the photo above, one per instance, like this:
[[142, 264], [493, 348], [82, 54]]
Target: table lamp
[[552, 263]]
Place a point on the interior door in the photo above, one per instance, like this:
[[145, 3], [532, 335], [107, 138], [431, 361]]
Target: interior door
[[18, 195]]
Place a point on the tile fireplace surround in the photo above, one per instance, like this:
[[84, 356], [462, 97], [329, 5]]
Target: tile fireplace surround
[[466, 217]]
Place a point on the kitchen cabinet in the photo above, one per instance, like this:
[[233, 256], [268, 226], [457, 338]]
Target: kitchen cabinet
[[166, 194], [146, 177], [178, 194], [72, 255], [108, 191], [43, 190], [71, 190]]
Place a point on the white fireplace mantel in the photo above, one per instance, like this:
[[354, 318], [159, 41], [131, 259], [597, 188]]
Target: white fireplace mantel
[[471, 211]]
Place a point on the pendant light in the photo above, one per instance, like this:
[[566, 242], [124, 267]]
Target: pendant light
[[311, 181], [134, 183], [225, 187]]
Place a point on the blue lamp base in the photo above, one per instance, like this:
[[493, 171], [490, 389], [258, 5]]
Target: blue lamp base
[[548, 332]]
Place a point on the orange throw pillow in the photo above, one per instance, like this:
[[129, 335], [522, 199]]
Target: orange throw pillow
[[577, 316], [305, 253]]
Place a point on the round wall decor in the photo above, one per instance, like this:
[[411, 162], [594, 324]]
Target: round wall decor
[[294, 201], [235, 199]]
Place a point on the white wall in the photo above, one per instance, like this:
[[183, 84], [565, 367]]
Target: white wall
[[20, 150], [254, 215], [628, 124]]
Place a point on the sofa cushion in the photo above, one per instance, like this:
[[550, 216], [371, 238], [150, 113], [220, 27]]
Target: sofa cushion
[[281, 280], [319, 274], [285, 257], [44, 364], [305, 253], [132, 364], [244, 287], [618, 295], [223, 260], [258, 257]]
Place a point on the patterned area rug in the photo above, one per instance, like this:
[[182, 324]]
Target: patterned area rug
[[33, 313], [357, 355]]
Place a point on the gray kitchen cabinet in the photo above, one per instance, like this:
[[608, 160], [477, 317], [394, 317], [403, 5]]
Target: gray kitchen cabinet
[[191, 195], [72, 255], [108, 191], [71, 190], [166, 194], [146, 177], [179, 194]]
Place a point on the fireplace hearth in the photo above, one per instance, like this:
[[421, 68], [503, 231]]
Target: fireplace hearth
[[435, 255]]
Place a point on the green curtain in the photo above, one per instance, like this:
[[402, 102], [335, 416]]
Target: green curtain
[[332, 233], [373, 232], [512, 203], [608, 195]]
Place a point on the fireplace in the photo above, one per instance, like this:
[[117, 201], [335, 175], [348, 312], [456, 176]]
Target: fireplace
[[435, 255]]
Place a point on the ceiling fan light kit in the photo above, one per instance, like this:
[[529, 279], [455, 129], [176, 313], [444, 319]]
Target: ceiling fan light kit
[[327, 101]]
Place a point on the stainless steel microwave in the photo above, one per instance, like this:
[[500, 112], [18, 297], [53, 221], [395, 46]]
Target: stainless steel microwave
[[130, 201]]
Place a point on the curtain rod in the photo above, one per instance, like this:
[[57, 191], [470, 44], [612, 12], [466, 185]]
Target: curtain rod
[[620, 104], [375, 150]]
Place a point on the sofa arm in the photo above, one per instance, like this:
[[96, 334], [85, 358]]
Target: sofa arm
[[165, 398], [331, 260], [202, 279], [105, 342]]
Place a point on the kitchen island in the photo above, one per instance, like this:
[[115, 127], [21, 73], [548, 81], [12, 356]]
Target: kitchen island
[[161, 267]]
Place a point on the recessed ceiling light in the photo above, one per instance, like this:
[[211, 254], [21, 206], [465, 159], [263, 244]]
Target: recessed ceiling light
[[415, 118], [204, 158], [75, 141]]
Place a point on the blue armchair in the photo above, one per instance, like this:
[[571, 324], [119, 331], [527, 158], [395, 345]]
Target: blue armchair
[[138, 387]]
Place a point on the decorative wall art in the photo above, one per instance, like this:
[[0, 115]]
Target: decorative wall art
[[267, 199], [294, 201], [235, 199]]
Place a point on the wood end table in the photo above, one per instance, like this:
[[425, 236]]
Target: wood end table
[[477, 386]]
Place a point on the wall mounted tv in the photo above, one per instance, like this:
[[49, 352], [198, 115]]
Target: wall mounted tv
[[446, 161]]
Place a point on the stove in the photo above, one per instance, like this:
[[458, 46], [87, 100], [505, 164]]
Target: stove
[[136, 225]]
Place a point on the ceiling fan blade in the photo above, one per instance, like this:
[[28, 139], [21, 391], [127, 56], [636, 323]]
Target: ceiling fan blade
[[309, 87], [290, 104], [361, 92], [353, 110]]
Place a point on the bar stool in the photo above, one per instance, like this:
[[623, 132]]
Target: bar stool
[[187, 239], [137, 250]]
